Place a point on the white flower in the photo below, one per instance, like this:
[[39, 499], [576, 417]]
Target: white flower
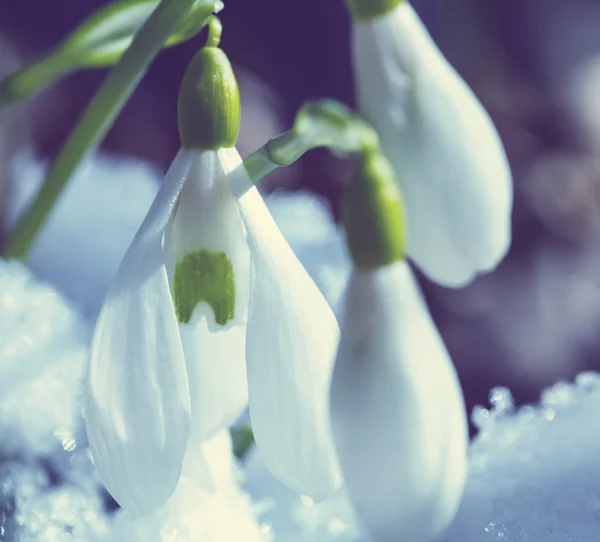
[[449, 160], [208, 291], [397, 410]]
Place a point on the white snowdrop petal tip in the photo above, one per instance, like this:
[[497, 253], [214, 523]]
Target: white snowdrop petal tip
[[290, 349], [449, 160]]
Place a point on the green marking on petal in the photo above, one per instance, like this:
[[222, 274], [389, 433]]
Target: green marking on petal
[[365, 10], [205, 276]]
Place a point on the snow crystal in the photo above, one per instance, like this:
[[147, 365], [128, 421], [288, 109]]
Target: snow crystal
[[64, 514], [535, 475]]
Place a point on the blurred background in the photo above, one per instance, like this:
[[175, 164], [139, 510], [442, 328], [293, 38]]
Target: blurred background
[[535, 65]]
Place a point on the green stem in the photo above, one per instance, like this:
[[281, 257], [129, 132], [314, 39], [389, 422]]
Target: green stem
[[32, 79], [98, 118], [215, 32], [242, 439], [324, 123], [282, 150]]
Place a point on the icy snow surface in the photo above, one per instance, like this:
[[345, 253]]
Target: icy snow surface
[[535, 473]]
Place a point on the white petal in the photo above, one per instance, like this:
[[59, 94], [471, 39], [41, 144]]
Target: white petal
[[397, 410], [291, 343], [448, 157], [210, 463], [137, 404], [207, 218], [216, 368]]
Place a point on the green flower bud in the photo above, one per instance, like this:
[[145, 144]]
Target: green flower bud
[[363, 10], [372, 213], [209, 100]]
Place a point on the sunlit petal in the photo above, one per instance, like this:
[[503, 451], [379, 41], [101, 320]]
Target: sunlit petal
[[138, 406], [291, 343]]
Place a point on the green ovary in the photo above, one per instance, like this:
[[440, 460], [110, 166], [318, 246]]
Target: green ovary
[[205, 276], [365, 10]]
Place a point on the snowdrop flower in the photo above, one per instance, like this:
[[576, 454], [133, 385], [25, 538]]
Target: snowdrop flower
[[397, 409], [209, 310], [449, 160]]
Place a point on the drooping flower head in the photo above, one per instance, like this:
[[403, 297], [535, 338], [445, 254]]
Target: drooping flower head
[[397, 408], [444, 148], [208, 309]]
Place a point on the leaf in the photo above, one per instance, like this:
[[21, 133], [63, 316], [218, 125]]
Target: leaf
[[99, 41], [102, 38]]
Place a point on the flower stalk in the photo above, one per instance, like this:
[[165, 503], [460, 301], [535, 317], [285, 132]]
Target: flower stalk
[[323, 123]]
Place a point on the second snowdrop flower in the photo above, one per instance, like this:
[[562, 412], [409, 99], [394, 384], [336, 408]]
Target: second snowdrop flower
[[209, 311], [397, 408], [448, 157]]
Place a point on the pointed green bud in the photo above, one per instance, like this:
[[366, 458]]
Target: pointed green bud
[[209, 99], [372, 213], [364, 10]]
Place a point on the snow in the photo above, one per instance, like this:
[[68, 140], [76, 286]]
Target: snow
[[534, 472], [43, 348], [87, 234]]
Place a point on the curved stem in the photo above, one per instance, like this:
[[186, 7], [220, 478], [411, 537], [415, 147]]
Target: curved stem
[[282, 150], [98, 118], [324, 123], [215, 31]]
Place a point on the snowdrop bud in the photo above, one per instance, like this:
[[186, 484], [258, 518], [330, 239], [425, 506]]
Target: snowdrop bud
[[367, 9], [372, 213], [397, 410], [453, 173], [209, 99]]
